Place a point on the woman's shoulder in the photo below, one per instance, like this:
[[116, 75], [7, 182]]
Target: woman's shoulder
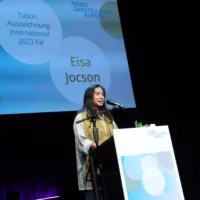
[[80, 114]]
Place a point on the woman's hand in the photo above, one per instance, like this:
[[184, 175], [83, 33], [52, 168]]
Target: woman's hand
[[93, 146]]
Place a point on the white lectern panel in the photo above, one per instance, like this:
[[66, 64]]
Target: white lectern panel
[[147, 164]]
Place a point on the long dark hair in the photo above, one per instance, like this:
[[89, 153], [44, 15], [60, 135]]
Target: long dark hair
[[88, 103]]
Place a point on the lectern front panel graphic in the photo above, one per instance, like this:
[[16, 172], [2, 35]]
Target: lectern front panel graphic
[[147, 164], [150, 176]]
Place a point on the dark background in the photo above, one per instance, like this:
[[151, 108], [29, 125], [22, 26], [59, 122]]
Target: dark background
[[162, 42]]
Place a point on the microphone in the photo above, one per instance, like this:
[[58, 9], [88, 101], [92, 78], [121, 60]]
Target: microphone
[[110, 102]]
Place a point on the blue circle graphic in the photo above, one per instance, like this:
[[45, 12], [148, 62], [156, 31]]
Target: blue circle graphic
[[79, 64]]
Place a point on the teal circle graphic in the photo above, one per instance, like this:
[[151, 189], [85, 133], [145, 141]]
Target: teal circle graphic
[[131, 184], [110, 21]]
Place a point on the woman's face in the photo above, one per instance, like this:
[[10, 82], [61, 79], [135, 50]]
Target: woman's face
[[98, 97]]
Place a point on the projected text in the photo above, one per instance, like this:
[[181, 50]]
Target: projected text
[[30, 33], [81, 62]]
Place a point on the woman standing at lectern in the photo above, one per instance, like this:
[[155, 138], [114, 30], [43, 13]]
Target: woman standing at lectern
[[93, 103]]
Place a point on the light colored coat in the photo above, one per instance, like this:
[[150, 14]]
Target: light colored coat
[[82, 145]]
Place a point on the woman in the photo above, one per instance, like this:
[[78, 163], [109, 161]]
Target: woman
[[93, 105]]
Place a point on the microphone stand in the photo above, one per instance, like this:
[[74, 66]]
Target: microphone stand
[[91, 162]]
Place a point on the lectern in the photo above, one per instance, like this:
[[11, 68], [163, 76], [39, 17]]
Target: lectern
[[110, 177], [137, 163]]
